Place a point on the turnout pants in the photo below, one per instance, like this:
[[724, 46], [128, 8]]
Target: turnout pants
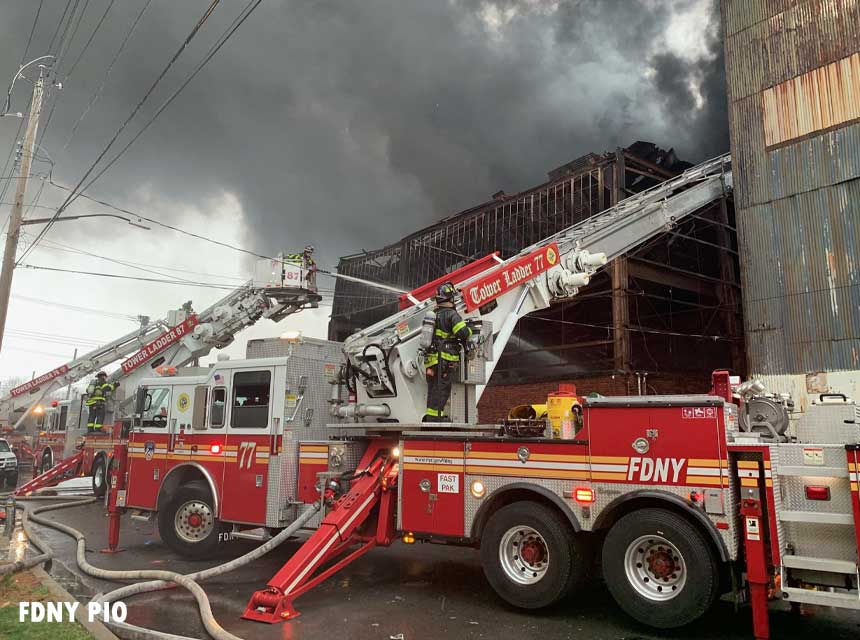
[[440, 378], [96, 417]]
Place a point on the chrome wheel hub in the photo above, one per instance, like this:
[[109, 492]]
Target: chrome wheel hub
[[523, 555], [655, 568], [194, 521]]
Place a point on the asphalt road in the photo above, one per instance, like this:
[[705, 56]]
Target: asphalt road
[[420, 591]]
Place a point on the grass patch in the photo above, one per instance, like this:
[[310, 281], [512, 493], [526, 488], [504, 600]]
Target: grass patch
[[15, 588]]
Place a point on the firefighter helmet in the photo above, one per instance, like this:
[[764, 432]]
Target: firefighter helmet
[[101, 374], [446, 293], [309, 248]]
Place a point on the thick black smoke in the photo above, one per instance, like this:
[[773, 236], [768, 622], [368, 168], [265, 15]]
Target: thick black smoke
[[350, 124]]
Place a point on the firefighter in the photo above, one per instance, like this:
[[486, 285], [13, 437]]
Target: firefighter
[[450, 332], [98, 393], [306, 261]]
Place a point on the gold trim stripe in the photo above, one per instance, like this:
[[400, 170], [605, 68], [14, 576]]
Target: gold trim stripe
[[749, 482], [710, 480], [747, 464], [707, 462]]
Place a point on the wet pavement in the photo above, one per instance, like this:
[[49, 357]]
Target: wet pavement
[[419, 591]]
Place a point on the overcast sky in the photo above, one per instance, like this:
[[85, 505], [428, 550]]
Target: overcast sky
[[342, 124]]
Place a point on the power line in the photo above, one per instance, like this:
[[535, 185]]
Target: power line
[[91, 38], [205, 285], [32, 31], [164, 224], [101, 88], [70, 307], [237, 22], [201, 21]]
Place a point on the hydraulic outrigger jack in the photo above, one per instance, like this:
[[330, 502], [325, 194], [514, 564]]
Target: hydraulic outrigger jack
[[347, 524], [52, 476]]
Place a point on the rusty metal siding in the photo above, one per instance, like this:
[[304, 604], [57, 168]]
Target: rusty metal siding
[[820, 99], [772, 41], [793, 77], [801, 278]]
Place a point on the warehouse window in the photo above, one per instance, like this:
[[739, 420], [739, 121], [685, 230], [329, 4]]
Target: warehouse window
[[250, 400]]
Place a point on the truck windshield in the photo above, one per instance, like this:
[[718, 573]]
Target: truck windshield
[[4, 446]]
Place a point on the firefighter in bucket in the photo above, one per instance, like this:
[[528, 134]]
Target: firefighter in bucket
[[442, 357]]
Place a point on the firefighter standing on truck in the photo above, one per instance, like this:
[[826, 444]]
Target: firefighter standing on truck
[[450, 332], [98, 393]]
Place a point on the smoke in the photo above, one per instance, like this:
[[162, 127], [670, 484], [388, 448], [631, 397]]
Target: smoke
[[350, 124]]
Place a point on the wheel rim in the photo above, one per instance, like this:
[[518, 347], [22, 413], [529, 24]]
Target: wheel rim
[[194, 521], [524, 555], [99, 476], [655, 568]]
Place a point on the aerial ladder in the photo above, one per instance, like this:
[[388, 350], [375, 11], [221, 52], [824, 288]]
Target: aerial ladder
[[384, 370], [179, 340]]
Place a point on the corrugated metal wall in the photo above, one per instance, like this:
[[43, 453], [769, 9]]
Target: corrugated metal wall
[[796, 153]]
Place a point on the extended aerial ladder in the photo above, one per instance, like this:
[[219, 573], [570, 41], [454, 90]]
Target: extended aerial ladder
[[384, 371], [180, 339]]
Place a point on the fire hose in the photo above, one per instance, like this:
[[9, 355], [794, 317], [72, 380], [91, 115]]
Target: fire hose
[[156, 579]]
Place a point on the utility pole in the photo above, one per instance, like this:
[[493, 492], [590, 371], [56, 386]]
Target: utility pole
[[18, 208]]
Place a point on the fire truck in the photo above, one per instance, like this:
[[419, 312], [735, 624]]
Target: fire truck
[[678, 498], [64, 448]]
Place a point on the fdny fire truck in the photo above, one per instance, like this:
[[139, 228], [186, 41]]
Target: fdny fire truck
[[63, 447], [678, 498]]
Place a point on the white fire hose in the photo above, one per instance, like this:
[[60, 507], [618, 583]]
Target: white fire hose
[[156, 579]]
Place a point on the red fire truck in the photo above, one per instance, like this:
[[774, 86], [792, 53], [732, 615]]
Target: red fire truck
[[681, 498], [64, 448]]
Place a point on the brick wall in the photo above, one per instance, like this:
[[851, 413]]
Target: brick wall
[[499, 399]]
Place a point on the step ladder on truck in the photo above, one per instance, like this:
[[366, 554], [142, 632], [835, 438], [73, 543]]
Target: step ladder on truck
[[659, 487], [66, 450]]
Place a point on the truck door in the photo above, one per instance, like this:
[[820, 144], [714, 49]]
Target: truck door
[[247, 447], [147, 453]]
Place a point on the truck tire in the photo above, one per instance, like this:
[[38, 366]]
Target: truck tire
[[530, 555], [187, 524], [47, 462], [661, 569], [100, 477]]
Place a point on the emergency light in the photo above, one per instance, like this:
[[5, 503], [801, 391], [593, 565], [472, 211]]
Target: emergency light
[[215, 448]]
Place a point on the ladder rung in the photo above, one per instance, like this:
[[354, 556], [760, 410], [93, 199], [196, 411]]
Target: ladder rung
[[823, 598], [828, 565], [817, 518]]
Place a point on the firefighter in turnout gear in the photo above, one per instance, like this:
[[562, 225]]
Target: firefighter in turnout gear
[[450, 333], [306, 261], [99, 391]]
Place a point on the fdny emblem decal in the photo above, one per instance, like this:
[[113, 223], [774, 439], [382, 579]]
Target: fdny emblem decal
[[655, 469], [149, 450]]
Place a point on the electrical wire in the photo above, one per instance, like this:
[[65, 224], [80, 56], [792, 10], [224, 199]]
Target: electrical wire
[[90, 40], [98, 92], [70, 307], [164, 224], [222, 40], [194, 31], [32, 31], [205, 285]]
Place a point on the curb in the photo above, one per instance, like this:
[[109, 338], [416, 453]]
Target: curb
[[95, 628]]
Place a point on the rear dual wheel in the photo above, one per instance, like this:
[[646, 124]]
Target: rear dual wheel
[[531, 555], [661, 569]]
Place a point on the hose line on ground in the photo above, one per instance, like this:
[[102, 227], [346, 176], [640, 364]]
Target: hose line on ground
[[157, 579]]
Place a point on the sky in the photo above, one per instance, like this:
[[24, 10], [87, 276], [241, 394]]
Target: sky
[[342, 124]]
